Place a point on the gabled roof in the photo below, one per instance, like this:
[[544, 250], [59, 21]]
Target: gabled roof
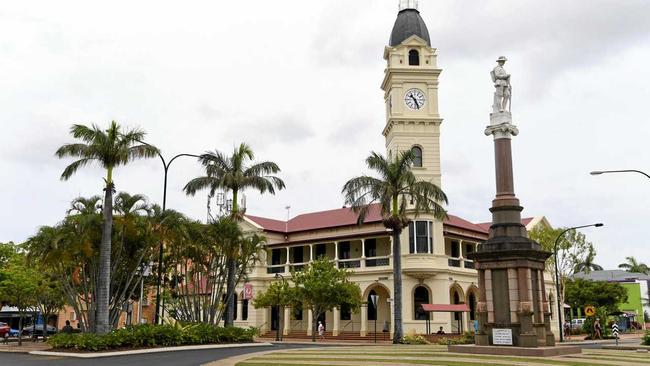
[[318, 220], [524, 221], [456, 221], [343, 217]]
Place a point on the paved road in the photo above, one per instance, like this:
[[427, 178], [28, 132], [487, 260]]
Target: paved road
[[179, 358]]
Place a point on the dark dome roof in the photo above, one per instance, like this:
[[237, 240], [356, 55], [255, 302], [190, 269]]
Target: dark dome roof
[[408, 23]]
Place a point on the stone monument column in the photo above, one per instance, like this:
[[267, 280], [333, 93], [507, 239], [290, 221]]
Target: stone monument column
[[512, 307]]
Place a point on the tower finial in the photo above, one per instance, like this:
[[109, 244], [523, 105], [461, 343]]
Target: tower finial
[[408, 4]]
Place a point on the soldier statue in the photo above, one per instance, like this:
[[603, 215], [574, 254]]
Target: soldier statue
[[503, 91]]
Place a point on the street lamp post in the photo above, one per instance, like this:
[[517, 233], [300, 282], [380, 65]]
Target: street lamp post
[[599, 172], [160, 248], [560, 300]]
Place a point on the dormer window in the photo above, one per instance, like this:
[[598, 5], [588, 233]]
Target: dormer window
[[417, 156], [414, 58]]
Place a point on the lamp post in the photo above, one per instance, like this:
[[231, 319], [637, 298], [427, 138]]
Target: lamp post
[[560, 300], [160, 248], [599, 172]]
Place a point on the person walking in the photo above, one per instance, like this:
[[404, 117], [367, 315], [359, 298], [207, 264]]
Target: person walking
[[321, 330], [567, 329], [597, 329]]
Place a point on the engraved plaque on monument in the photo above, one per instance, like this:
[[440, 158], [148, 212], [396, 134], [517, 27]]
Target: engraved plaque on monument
[[502, 337]]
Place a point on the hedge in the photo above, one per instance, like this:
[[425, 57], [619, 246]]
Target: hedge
[[148, 335]]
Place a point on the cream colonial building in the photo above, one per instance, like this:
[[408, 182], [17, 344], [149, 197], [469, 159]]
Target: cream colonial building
[[434, 265]]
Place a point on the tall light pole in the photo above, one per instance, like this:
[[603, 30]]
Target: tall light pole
[[164, 206], [560, 299], [599, 172]]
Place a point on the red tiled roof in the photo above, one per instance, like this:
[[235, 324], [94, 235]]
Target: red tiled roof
[[445, 307], [456, 221], [318, 220], [486, 225]]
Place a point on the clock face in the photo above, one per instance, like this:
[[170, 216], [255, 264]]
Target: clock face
[[415, 99]]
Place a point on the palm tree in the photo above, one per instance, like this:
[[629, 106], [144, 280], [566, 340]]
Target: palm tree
[[110, 148], [234, 173], [398, 193], [632, 265], [587, 265]]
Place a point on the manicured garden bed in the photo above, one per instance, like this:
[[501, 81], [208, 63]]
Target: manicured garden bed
[[151, 336]]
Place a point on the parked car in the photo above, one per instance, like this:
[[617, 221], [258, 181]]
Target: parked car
[[4, 329], [14, 332], [30, 330], [576, 324]]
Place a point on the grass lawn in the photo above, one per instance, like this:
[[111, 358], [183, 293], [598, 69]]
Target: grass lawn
[[435, 355]]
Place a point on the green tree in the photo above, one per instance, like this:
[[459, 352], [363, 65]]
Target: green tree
[[234, 173], [587, 264], [49, 297], [19, 287], [632, 265], [399, 193], [278, 294], [602, 294], [110, 148], [321, 287], [573, 252]]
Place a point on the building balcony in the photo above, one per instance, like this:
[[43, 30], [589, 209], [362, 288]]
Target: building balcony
[[454, 262]]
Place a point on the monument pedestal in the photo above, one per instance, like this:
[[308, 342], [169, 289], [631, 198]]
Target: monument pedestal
[[513, 311]]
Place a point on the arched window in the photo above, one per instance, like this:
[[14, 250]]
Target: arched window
[[420, 296], [417, 156], [372, 309], [414, 58], [456, 301], [244, 309]]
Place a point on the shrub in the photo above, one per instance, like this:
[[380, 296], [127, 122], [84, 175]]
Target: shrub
[[646, 339], [149, 335], [414, 339], [465, 338]]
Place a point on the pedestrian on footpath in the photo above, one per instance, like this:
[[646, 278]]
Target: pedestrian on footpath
[[597, 329], [321, 330]]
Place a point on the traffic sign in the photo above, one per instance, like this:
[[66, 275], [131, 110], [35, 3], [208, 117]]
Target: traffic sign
[[590, 311], [615, 332]]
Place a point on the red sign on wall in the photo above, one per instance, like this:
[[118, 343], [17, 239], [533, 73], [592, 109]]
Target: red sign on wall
[[248, 291]]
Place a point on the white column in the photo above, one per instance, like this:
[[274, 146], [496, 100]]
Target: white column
[[336, 313], [287, 320], [460, 249], [239, 309], [310, 325], [364, 320], [392, 317], [336, 251], [363, 253], [311, 252]]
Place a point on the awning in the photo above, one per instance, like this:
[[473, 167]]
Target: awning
[[445, 307]]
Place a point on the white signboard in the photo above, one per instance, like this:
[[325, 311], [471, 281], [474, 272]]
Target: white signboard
[[502, 337]]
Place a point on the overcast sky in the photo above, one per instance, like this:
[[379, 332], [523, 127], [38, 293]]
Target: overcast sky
[[300, 82]]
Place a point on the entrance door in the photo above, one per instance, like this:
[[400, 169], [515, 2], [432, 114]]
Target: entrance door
[[275, 317]]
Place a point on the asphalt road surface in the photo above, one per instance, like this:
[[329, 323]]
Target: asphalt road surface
[[178, 358]]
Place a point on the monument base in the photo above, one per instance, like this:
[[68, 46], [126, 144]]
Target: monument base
[[514, 351]]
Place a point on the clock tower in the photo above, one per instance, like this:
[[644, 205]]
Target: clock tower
[[411, 93]]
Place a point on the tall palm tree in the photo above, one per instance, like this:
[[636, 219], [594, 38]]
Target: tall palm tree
[[587, 265], [632, 265], [234, 173], [109, 148], [399, 194]]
